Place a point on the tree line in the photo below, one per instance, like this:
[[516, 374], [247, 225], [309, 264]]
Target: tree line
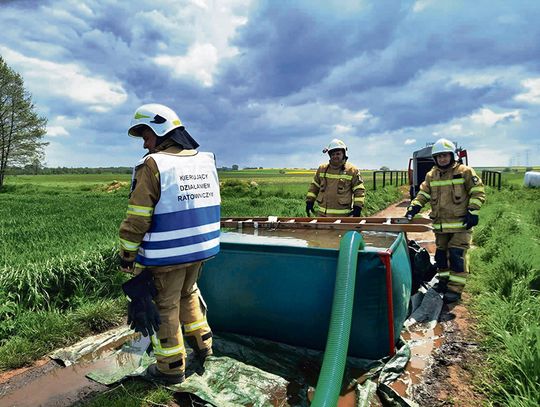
[[34, 170], [21, 128]]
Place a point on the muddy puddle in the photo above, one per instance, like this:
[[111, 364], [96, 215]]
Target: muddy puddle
[[422, 339], [304, 237], [56, 385]]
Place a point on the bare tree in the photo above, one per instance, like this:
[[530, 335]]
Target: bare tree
[[21, 128]]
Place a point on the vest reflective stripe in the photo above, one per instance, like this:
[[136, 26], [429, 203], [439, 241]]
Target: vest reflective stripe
[[455, 181], [359, 199], [428, 196], [182, 242], [139, 210], [335, 211], [336, 176], [194, 326], [443, 274], [162, 351], [186, 219], [475, 201], [129, 246], [455, 225], [457, 279], [181, 233], [311, 195], [315, 183], [358, 187], [477, 189]]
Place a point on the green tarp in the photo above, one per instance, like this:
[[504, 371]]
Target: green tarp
[[251, 372]]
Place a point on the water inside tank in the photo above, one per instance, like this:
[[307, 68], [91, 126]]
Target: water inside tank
[[304, 237]]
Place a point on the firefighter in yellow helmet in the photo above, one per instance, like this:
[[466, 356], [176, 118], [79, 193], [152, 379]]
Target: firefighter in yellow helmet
[[456, 194], [172, 226], [337, 186]]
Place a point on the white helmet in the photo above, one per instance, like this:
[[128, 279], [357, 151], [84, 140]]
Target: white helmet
[[443, 146], [334, 145], [159, 118]]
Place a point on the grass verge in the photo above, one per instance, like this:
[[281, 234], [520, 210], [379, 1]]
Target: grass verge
[[506, 295]]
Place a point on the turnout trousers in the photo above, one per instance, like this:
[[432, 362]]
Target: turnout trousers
[[451, 259], [181, 307]]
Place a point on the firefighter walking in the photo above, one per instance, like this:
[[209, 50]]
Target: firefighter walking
[[172, 226], [456, 194], [337, 186]]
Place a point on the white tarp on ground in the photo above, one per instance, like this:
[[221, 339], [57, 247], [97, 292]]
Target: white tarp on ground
[[532, 179]]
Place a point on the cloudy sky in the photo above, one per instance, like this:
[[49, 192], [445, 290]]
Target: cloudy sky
[[270, 83]]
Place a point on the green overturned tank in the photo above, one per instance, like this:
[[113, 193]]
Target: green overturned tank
[[279, 285]]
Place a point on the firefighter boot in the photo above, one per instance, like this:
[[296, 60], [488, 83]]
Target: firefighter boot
[[154, 374], [171, 357]]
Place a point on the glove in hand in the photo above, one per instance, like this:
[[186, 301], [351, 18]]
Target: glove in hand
[[470, 220], [309, 208], [143, 315], [412, 211]]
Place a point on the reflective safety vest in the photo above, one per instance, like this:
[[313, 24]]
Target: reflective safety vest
[[186, 220]]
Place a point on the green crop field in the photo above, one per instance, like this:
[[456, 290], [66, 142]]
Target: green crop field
[[59, 274], [59, 277]]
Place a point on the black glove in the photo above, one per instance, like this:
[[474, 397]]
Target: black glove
[[143, 315], [356, 211], [309, 207], [412, 210], [470, 220]]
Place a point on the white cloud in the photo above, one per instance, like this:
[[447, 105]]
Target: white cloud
[[45, 78], [420, 5], [200, 62], [487, 157], [410, 141], [208, 31], [56, 131], [533, 95], [358, 117], [474, 80], [342, 129], [60, 126], [489, 118]]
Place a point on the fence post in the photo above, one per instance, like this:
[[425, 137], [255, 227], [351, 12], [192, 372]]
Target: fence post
[[374, 180]]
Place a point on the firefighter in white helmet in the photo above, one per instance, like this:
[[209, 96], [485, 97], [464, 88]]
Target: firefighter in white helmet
[[337, 186], [456, 194], [172, 226]]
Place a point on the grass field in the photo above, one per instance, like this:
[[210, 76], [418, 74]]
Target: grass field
[[506, 295], [59, 278]]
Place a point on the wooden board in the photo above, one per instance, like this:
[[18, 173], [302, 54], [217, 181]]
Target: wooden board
[[371, 224]]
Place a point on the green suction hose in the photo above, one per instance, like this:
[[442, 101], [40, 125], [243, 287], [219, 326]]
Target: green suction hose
[[337, 343]]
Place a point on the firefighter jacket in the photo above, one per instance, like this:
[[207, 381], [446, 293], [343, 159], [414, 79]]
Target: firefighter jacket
[[451, 192], [337, 189], [173, 214]]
